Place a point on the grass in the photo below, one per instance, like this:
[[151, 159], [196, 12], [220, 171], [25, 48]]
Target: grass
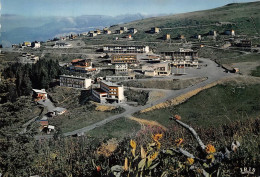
[[80, 113], [256, 72], [141, 96], [174, 84], [213, 107], [119, 128]]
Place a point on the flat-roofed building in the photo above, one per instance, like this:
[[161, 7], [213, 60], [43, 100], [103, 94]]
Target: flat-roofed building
[[120, 78], [124, 58], [107, 31], [74, 81], [160, 69], [126, 49], [36, 44], [186, 57], [121, 68], [62, 45], [109, 92]]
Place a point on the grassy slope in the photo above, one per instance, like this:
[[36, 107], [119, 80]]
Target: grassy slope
[[219, 105], [234, 13]]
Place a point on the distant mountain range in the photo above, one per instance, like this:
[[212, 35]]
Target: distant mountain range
[[16, 29]]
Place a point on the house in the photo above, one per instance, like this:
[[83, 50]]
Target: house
[[160, 69], [92, 34], [124, 58], [81, 65], [123, 28], [36, 44], [119, 31], [106, 31], [59, 111], [167, 37], [198, 36], [181, 36], [213, 33], [128, 36], [125, 49], [74, 81], [98, 31], [61, 45], [27, 44], [230, 32], [121, 68], [39, 94], [155, 30], [132, 30]]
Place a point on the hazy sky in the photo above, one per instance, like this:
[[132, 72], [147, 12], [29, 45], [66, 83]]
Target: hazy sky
[[106, 7]]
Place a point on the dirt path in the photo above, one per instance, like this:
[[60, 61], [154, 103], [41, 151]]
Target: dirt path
[[147, 122]]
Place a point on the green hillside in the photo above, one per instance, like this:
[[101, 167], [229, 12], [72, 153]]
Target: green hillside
[[243, 17]]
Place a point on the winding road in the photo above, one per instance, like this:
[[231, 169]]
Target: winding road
[[212, 72]]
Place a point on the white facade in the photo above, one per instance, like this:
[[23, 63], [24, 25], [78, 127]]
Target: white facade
[[126, 49], [75, 82]]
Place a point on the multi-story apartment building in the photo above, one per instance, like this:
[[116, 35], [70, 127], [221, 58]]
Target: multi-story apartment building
[[75, 81], [109, 92], [121, 68], [186, 57], [124, 58], [125, 49]]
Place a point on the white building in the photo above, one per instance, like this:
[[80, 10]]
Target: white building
[[75, 81], [109, 92], [125, 49], [36, 44], [62, 45], [121, 68]]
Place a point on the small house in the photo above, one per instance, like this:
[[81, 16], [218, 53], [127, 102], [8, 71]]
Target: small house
[[39, 94], [167, 37], [155, 30], [119, 31], [123, 28], [132, 30]]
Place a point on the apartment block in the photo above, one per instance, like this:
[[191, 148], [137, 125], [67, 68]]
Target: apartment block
[[109, 93], [124, 58], [74, 82], [125, 49]]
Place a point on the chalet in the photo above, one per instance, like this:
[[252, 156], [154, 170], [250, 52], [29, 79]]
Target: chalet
[[36, 44], [230, 32], [81, 65], [119, 31], [155, 30], [167, 37], [74, 82], [39, 94], [124, 58], [132, 30], [108, 92], [123, 28], [92, 34], [213, 33], [27, 44], [125, 49], [106, 31]]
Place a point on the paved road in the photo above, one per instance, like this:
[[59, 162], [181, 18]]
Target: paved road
[[213, 73]]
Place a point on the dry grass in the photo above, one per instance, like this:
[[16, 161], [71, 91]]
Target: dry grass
[[107, 149], [103, 108], [144, 122]]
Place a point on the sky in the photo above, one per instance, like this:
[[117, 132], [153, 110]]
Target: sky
[[107, 7]]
